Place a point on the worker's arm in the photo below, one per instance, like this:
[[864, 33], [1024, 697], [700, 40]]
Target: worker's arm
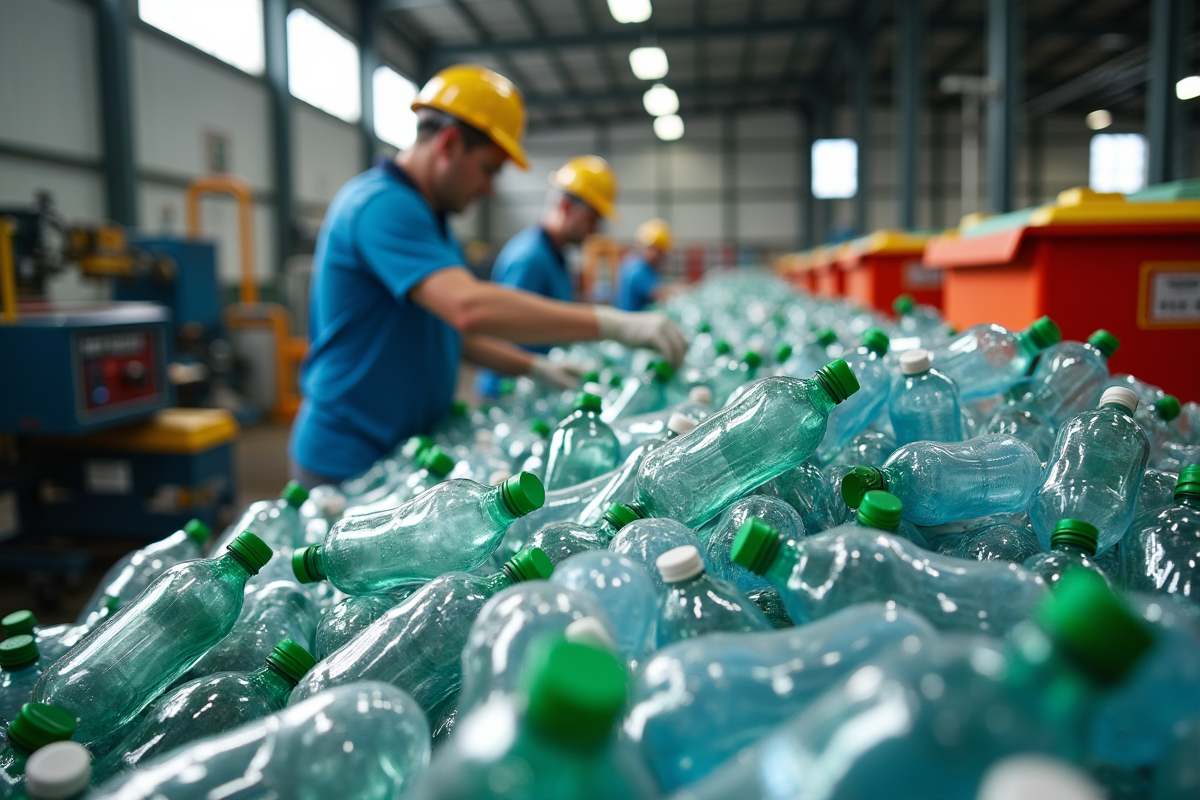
[[508, 359]]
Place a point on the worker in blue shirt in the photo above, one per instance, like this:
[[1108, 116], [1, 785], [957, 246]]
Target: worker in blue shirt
[[393, 309], [583, 191], [638, 282]]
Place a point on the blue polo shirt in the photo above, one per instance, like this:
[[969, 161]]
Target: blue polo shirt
[[380, 368], [528, 261], [636, 282]]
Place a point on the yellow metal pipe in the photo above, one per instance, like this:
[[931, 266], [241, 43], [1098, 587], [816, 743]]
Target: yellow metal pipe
[[8, 273]]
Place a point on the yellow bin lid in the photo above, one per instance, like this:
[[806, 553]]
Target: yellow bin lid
[[172, 430]]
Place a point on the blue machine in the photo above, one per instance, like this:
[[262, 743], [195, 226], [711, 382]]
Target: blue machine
[[183, 278]]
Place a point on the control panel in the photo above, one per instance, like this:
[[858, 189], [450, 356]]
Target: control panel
[[115, 369]]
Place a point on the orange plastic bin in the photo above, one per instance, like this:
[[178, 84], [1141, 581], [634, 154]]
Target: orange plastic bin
[[880, 267], [1088, 261], [830, 279], [796, 269]]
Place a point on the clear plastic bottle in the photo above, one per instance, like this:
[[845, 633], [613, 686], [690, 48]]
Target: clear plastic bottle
[[812, 356], [208, 706], [923, 404], [1161, 553], [561, 504], [529, 444], [1156, 421], [561, 540], [1070, 377], [698, 703], [1001, 541], [774, 426], [857, 564], [34, 726], [718, 539], [806, 490], [360, 742], [1095, 470], [433, 466], [351, 616], [850, 417], [697, 604], [1012, 419], [119, 668], [20, 667], [940, 483], [990, 359], [641, 394], [582, 447], [279, 520], [624, 590], [386, 470], [454, 526], [644, 540], [736, 374], [1072, 546], [914, 319]]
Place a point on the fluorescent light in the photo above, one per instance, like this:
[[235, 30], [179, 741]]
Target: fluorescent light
[[1098, 120], [834, 168], [660, 100], [231, 30], [1117, 163], [629, 10], [668, 127], [395, 121], [1186, 89], [323, 66], [648, 63]]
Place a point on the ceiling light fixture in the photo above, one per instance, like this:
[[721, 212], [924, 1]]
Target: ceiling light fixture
[[624, 11], [668, 127], [648, 63], [660, 100], [1099, 120], [1186, 89]]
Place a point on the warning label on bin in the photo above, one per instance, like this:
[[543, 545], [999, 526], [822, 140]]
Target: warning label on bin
[[1170, 295]]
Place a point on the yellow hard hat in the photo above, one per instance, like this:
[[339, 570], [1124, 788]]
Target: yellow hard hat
[[481, 98], [591, 179], [655, 233]]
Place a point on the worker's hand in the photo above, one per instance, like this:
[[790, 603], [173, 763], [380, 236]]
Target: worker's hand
[[556, 374], [646, 329]]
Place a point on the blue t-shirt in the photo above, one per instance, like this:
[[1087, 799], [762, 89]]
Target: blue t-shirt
[[528, 261], [636, 282], [380, 368]]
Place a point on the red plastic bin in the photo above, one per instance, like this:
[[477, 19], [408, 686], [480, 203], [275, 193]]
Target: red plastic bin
[[880, 267]]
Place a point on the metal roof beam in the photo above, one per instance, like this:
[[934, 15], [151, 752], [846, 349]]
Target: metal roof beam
[[685, 92]]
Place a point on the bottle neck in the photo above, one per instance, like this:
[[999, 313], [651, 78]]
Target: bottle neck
[[1189, 500], [497, 582], [821, 394], [1073, 549], [1025, 344], [233, 564], [271, 680], [497, 509], [780, 569]]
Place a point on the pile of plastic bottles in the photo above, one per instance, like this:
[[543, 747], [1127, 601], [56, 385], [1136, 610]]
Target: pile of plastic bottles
[[831, 555]]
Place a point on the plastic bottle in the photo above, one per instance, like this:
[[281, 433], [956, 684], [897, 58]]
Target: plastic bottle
[[454, 526], [697, 604], [278, 520], [644, 540], [582, 447], [812, 356], [641, 394], [1072, 546], [1001, 541], [990, 359], [857, 564], [21, 665], [1161, 553], [774, 426], [1070, 377], [418, 644], [119, 668], [208, 706], [736, 374], [34, 726], [806, 490], [403, 459], [505, 629], [561, 540], [561, 504], [1095, 471], [348, 618], [923, 404], [561, 744], [529, 444], [940, 483], [718, 539], [914, 319], [850, 417], [433, 466], [624, 590], [698, 703], [360, 742]]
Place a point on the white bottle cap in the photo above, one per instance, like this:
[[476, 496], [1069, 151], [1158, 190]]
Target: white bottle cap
[[680, 564], [680, 424], [1121, 396], [700, 395], [58, 771], [1036, 778], [589, 630], [914, 362]]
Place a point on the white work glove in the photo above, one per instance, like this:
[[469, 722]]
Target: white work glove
[[556, 374], [646, 329]]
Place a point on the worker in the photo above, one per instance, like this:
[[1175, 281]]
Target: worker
[[393, 310], [638, 282], [582, 192]]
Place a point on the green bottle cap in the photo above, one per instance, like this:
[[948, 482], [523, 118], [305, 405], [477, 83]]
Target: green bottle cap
[[415, 446], [1168, 407], [904, 304], [252, 551], [506, 386], [587, 402], [880, 510], [576, 692], [722, 347], [294, 493], [619, 515], [825, 336], [530, 564], [19, 622], [292, 660], [752, 359], [197, 531], [523, 493], [1092, 627], [615, 380], [1188, 485], [1074, 532], [18, 651], [540, 427], [783, 353], [1043, 333], [704, 327], [112, 603], [756, 545], [39, 724], [459, 408], [307, 564], [662, 370], [1105, 342], [876, 341], [858, 481], [590, 377], [437, 462], [839, 380]]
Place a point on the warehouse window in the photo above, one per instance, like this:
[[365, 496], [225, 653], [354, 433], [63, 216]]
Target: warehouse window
[[231, 30], [834, 168], [323, 67], [1118, 162], [395, 121]]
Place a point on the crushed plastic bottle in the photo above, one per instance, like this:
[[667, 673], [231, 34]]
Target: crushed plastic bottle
[[351, 616], [1070, 377], [990, 359], [1161, 552]]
